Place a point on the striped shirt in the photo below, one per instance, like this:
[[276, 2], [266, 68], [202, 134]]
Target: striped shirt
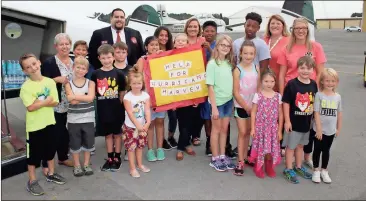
[[82, 112]]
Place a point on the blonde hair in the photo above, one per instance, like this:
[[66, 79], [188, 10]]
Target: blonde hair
[[292, 41], [199, 26], [180, 34], [80, 60], [327, 72], [134, 73], [285, 31], [307, 60], [215, 51]]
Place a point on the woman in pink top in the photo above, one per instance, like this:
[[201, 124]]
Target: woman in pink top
[[194, 32], [276, 37], [299, 45]]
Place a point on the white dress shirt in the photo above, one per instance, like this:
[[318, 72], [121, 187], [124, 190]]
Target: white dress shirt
[[121, 34]]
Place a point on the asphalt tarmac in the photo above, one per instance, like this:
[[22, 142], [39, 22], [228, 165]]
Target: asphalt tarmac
[[192, 178]]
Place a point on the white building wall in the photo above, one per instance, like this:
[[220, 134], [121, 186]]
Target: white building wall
[[266, 13]]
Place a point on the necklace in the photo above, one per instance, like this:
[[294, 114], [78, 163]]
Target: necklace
[[269, 43]]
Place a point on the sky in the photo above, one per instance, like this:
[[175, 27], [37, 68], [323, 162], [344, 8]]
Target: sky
[[322, 9]]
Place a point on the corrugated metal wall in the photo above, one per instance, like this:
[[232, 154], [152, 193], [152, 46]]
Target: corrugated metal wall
[[337, 23]]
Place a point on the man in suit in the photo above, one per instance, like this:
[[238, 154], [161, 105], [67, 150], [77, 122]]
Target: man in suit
[[117, 32]]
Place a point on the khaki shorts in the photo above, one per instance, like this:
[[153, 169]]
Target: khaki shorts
[[292, 139]]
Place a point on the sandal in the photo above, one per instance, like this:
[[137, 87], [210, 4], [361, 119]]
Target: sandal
[[190, 152], [134, 173], [78, 172], [68, 163], [144, 169], [179, 156], [196, 141]]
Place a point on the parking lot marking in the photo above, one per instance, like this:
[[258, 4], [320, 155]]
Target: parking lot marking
[[352, 73]]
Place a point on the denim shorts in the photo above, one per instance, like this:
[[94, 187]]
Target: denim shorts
[[160, 115], [226, 109]]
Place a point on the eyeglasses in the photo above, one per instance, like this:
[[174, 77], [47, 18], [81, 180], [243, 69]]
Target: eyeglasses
[[300, 28], [223, 46]]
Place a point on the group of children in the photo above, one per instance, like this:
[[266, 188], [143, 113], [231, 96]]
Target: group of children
[[123, 107]]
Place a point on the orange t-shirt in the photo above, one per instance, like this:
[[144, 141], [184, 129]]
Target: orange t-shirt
[[288, 59], [200, 40], [275, 53]]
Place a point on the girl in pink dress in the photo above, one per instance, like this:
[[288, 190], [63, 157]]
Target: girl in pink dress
[[267, 121]]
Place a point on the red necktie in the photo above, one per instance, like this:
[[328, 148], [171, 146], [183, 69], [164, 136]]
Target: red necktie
[[118, 36]]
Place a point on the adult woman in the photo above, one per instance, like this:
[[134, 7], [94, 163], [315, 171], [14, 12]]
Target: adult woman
[[59, 68], [165, 40], [276, 37], [194, 31], [298, 46]]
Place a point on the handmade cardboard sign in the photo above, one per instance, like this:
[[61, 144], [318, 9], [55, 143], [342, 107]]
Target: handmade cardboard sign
[[176, 78]]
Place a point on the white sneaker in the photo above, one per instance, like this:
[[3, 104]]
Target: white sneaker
[[316, 177], [309, 163], [325, 176]]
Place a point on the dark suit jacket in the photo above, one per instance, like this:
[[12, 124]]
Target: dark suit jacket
[[133, 41]]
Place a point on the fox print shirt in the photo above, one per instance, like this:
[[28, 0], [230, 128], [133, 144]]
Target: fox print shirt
[[300, 97], [108, 84]]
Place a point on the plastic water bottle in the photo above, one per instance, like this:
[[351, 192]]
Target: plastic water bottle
[[20, 74], [3, 67], [4, 74], [9, 70], [14, 74]]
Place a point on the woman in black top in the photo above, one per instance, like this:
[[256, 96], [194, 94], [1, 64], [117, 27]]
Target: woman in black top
[[59, 68]]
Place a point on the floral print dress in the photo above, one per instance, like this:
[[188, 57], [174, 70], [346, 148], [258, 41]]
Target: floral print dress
[[65, 70], [265, 140]]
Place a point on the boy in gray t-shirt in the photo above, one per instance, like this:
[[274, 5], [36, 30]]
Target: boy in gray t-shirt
[[252, 25]]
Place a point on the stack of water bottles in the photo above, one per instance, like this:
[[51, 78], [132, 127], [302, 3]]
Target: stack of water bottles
[[12, 74]]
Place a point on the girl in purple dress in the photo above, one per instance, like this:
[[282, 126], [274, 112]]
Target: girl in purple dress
[[267, 122]]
